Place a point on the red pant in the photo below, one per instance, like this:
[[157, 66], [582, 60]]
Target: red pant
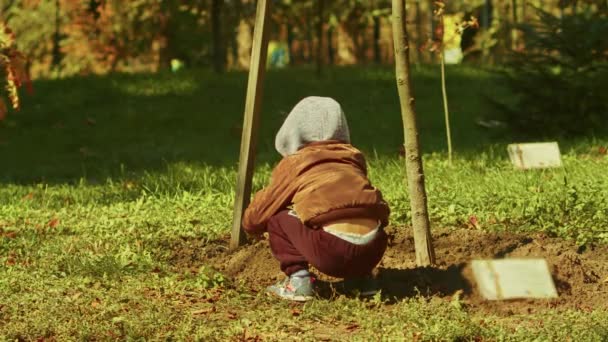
[[296, 246]]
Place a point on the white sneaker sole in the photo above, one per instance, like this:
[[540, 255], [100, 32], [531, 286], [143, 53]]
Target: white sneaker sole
[[292, 298]]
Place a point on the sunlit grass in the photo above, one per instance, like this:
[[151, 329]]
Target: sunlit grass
[[100, 175]]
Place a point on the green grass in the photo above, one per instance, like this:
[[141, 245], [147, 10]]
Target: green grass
[[100, 175]]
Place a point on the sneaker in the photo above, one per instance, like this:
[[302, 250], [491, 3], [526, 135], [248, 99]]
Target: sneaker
[[362, 286], [299, 289]]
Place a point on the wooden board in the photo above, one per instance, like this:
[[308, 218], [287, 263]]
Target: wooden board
[[513, 278], [535, 155]]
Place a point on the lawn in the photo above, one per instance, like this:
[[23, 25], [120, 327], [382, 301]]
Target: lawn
[[116, 194]]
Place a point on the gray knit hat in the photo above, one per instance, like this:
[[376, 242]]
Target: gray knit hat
[[312, 119]]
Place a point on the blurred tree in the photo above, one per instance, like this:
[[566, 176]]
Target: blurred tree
[[13, 72], [219, 51]]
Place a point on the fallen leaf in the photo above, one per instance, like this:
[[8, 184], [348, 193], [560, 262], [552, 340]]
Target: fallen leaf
[[232, 315], [296, 312], [474, 221], [29, 196], [90, 122], [603, 150], [10, 261], [96, 303], [9, 235], [53, 223]]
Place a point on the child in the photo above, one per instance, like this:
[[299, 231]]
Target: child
[[319, 208]]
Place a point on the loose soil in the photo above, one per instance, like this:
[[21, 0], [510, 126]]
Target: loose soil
[[580, 275]]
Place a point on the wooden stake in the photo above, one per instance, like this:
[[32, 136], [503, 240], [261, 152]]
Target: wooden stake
[[425, 254], [253, 105]]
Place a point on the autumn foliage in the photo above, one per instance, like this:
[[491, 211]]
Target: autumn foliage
[[12, 66]]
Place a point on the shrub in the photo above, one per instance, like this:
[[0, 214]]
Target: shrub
[[561, 76]]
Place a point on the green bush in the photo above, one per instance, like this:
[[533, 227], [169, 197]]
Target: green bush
[[560, 78]]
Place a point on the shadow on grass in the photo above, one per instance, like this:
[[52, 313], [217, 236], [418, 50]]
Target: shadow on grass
[[122, 126], [397, 284]]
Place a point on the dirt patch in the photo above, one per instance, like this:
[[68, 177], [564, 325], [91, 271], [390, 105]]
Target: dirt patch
[[581, 276]]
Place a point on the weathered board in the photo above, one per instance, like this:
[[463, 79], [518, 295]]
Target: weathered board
[[513, 278], [535, 155]]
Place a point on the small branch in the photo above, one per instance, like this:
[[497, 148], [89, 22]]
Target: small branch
[[445, 107]]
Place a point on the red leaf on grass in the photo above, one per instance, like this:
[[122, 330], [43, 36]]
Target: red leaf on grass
[[53, 223], [603, 150], [9, 235], [96, 303]]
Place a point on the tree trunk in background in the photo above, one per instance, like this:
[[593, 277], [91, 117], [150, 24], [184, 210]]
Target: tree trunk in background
[[425, 254], [56, 62], [330, 46], [309, 36], [321, 21], [164, 52], [244, 41], [432, 25], [377, 55], [290, 41], [419, 34], [485, 17], [234, 24], [514, 22], [219, 56], [346, 47]]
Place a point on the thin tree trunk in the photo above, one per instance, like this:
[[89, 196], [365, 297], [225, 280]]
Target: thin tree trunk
[[251, 121], [321, 21], [425, 254], [444, 93], [219, 58]]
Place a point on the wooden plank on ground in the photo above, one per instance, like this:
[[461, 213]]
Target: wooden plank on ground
[[253, 105], [513, 278]]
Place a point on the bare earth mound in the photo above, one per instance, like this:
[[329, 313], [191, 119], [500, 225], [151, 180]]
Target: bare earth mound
[[581, 276]]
